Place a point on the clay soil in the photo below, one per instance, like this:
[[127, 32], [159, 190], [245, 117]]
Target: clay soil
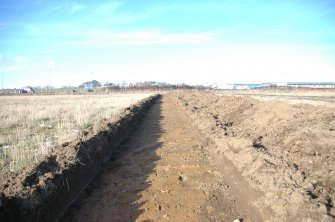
[[202, 157], [165, 173], [44, 191], [287, 151]]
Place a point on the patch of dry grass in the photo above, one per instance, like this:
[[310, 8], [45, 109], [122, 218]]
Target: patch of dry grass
[[319, 101], [313, 97], [274, 92], [31, 126]]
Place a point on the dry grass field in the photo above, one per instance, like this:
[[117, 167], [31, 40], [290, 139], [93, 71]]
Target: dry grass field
[[32, 126], [313, 97]]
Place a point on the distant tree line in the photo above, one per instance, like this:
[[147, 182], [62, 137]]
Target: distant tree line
[[146, 85], [90, 84], [96, 86]]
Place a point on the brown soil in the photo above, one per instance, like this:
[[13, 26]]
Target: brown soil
[[44, 192], [286, 151], [165, 173], [195, 157]]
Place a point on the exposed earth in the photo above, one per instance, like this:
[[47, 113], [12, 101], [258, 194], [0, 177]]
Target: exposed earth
[[286, 151], [164, 173], [203, 157]]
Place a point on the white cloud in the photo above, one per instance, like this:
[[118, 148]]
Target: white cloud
[[20, 59], [123, 17], [12, 64], [7, 63], [107, 8], [56, 8], [50, 64], [101, 38], [76, 7], [232, 65], [156, 38], [68, 7]]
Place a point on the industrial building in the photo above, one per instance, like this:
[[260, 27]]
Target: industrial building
[[314, 85]]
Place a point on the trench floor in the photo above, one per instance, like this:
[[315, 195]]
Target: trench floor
[[162, 173]]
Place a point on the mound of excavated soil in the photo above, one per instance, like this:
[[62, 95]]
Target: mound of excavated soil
[[286, 151], [44, 192]]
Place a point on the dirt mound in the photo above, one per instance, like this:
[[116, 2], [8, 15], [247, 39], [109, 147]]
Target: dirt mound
[[287, 151], [44, 192]]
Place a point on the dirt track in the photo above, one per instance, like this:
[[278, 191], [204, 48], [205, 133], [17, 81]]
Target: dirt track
[[164, 173], [202, 157]]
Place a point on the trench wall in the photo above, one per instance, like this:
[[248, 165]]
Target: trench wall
[[45, 191]]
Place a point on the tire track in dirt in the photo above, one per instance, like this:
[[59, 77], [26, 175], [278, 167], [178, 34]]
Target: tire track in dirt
[[161, 173]]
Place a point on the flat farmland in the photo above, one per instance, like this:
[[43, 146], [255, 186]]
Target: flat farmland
[[313, 97], [189, 156], [32, 126]]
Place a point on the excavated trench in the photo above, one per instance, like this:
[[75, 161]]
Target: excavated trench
[[165, 172], [193, 157], [45, 191]]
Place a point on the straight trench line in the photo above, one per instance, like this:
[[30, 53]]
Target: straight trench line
[[158, 176]]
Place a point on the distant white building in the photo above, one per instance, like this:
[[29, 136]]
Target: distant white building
[[225, 86], [26, 90], [319, 85], [279, 84], [312, 84], [316, 85]]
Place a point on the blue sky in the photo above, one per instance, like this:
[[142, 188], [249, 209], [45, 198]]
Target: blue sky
[[206, 42]]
